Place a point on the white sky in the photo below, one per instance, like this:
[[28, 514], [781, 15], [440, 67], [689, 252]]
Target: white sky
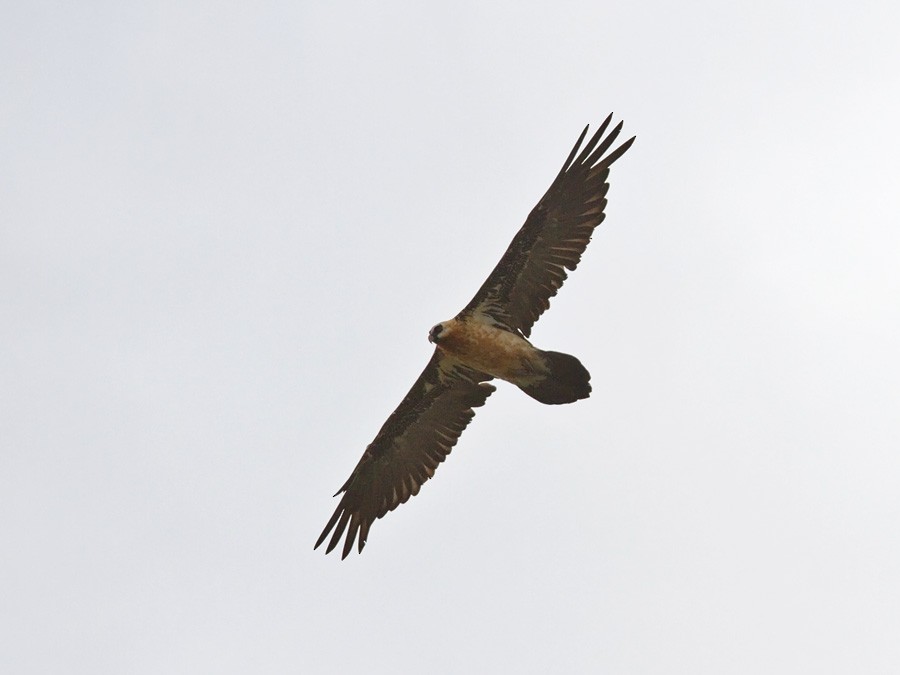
[[226, 228]]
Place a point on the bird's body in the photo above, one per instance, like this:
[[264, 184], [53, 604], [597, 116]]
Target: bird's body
[[481, 345], [484, 347], [487, 339]]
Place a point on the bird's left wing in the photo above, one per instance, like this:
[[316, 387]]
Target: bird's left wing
[[417, 437], [554, 236]]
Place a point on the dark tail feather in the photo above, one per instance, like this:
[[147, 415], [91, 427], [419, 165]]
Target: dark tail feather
[[567, 382]]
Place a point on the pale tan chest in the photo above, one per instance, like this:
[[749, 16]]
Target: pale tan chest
[[491, 350]]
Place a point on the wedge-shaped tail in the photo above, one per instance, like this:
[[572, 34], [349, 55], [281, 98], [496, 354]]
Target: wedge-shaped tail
[[568, 381]]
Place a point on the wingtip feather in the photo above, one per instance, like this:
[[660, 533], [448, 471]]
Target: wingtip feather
[[574, 151], [351, 535], [328, 526], [618, 152], [338, 531]]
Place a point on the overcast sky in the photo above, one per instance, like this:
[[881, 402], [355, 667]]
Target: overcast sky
[[226, 228]]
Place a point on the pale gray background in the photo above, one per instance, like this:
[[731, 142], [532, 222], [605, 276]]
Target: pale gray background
[[225, 230]]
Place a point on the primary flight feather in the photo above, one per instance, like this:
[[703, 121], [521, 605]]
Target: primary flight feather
[[487, 339]]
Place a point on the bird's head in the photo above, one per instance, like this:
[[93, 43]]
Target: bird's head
[[434, 335]]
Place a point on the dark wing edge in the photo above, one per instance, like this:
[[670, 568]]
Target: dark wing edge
[[407, 450], [554, 236]]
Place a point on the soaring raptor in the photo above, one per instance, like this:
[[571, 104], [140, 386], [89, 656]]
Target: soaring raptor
[[487, 339]]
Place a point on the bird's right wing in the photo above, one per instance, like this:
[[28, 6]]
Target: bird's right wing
[[417, 437]]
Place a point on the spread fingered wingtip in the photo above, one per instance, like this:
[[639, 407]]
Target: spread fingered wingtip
[[593, 150]]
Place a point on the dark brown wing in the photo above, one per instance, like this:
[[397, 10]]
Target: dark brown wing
[[553, 237], [417, 437]]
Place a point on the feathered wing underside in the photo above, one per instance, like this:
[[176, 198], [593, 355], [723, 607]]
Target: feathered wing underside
[[414, 440], [553, 237]]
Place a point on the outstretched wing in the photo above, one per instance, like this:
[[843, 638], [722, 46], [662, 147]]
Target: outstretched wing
[[553, 237], [417, 437]]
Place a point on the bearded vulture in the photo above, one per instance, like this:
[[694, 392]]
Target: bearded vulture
[[487, 339]]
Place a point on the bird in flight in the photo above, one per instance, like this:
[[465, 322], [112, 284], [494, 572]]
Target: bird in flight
[[487, 339]]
